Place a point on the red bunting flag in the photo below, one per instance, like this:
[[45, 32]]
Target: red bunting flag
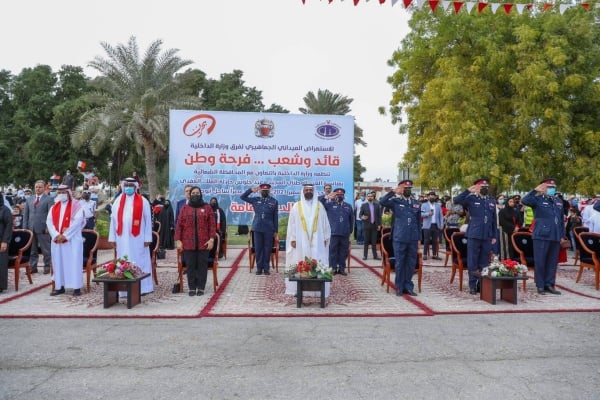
[[356, 2], [507, 8], [407, 3], [547, 6], [433, 4], [381, 1], [586, 6], [481, 6], [457, 6]]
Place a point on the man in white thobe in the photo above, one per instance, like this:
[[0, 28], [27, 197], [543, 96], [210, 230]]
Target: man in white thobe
[[308, 234], [131, 230], [65, 221]]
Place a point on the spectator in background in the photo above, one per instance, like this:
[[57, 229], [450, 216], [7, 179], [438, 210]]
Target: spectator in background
[[6, 228], [89, 210], [433, 221], [221, 221], [358, 231], [370, 214], [68, 180], [34, 219]]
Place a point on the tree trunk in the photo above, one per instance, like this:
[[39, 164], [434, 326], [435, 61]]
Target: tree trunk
[[150, 162]]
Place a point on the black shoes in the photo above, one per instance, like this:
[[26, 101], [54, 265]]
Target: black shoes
[[192, 293], [76, 292], [425, 257], [57, 292], [551, 289], [541, 291], [364, 258], [343, 273], [412, 293], [259, 273], [435, 258], [46, 270], [376, 258], [473, 291], [200, 292], [267, 273], [34, 270]]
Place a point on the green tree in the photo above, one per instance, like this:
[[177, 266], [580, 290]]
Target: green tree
[[502, 96], [326, 102], [132, 100]]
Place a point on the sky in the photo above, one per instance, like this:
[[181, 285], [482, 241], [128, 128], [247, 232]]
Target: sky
[[284, 48]]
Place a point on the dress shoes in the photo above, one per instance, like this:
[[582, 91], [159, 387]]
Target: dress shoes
[[425, 257], [435, 258], [46, 270], [343, 273], [541, 291], [266, 273], [376, 258], [551, 289], [192, 293], [58, 291], [364, 258], [411, 293], [76, 292], [258, 272], [34, 270], [473, 291], [200, 292]]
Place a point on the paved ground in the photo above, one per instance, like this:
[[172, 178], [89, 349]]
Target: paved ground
[[522, 356]]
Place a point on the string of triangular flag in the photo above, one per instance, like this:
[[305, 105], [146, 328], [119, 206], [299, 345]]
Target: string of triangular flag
[[457, 6]]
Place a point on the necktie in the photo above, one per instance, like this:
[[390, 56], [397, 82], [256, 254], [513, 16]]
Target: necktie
[[37, 201]]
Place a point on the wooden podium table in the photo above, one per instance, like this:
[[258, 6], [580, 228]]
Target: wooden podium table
[[309, 284], [113, 286], [506, 284]]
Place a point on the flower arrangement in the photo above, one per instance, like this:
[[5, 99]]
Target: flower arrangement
[[504, 268], [309, 268], [121, 268]]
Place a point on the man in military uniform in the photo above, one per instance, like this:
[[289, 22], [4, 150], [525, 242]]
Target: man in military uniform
[[406, 233], [549, 229], [264, 225], [341, 220], [482, 230]]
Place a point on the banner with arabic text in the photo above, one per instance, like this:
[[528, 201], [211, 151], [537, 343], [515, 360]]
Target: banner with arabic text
[[225, 153]]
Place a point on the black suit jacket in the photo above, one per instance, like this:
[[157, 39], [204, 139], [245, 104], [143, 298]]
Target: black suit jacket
[[365, 211]]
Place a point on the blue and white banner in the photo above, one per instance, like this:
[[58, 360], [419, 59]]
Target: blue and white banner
[[225, 153]]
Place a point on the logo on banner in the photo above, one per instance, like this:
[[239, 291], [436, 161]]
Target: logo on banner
[[264, 128], [328, 130], [198, 124]]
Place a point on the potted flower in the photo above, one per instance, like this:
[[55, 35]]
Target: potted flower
[[505, 267], [309, 268], [102, 227], [121, 268]]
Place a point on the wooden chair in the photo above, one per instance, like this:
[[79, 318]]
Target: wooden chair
[[458, 241], [522, 242], [274, 252], [19, 250], [213, 264], [153, 250], [576, 231], [224, 245], [389, 262], [448, 231], [589, 255], [90, 253], [156, 226]]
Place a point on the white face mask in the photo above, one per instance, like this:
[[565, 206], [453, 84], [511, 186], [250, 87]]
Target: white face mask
[[62, 198]]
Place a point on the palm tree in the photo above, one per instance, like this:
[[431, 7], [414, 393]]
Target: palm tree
[[133, 99], [326, 102]]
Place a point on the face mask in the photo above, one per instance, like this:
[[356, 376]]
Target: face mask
[[308, 195], [264, 193], [551, 191], [27, 196], [500, 201], [431, 200], [213, 205], [362, 198], [61, 198], [85, 197], [407, 192], [129, 190], [483, 191], [195, 199], [340, 198]]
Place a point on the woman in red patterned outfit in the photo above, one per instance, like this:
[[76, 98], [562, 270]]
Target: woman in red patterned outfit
[[195, 235]]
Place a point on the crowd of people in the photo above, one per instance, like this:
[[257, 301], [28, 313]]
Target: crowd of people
[[319, 227]]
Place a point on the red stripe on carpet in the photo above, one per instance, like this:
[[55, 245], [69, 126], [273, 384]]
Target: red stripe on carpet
[[211, 303], [15, 297]]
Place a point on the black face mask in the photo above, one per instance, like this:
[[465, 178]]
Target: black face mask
[[339, 198], [308, 195], [431, 200], [213, 205], [483, 191], [196, 200], [264, 193], [85, 196], [407, 192]]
